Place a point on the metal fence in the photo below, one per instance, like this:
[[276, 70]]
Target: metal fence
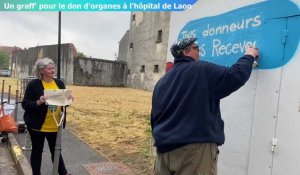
[[22, 84]]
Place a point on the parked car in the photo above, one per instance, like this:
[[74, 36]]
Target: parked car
[[5, 73]]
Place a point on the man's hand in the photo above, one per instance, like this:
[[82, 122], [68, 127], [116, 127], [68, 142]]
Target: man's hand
[[253, 51]]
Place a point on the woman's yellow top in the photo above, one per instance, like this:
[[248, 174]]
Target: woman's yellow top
[[49, 124]]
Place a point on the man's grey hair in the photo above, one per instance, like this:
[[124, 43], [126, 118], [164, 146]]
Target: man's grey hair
[[40, 64]]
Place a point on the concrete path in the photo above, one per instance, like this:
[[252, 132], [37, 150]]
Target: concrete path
[[6, 164]]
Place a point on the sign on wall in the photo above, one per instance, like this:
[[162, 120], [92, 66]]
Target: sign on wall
[[263, 25]]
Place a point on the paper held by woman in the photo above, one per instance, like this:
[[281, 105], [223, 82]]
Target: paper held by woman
[[58, 97]]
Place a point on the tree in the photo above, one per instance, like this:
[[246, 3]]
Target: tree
[[4, 60], [81, 54]]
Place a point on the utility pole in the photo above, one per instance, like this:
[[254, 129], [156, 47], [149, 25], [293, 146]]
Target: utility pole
[[57, 149], [59, 45]]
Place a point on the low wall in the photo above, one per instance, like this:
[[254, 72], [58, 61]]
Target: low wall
[[98, 72]]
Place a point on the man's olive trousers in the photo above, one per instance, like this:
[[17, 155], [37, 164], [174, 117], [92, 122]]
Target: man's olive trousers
[[192, 159]]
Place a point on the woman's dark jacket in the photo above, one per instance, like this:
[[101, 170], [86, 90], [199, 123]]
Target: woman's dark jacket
[[35, 115]]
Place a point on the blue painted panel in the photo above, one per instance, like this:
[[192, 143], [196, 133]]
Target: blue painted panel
[[225, 37], [272, 43]]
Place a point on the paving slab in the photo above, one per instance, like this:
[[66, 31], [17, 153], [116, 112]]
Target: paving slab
[[7, 166]]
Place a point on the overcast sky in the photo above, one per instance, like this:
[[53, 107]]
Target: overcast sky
[[96, 34]]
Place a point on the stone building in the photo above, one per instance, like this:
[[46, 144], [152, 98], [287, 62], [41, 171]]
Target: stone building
[[140, 64], [74, 70], [24, 60], [144, 48], [123, 47]]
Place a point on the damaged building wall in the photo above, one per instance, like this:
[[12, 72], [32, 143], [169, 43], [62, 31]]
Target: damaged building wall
[[98, 72], [24, 60], [22, 66], [124, 47], [147, 48], [78, 71]]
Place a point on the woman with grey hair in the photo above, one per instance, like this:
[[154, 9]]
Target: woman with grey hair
[[38, 115], [40, 65]]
